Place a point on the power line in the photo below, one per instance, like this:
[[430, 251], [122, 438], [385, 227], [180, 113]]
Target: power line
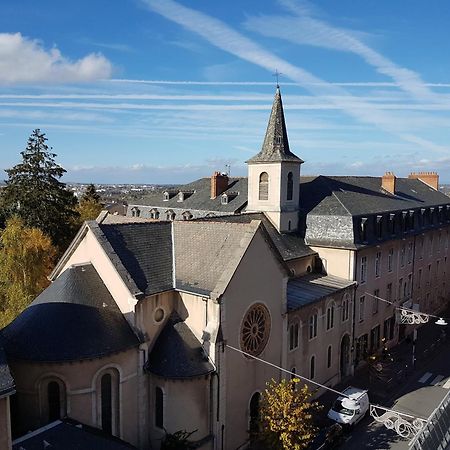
[[404, 308], [316, 383]]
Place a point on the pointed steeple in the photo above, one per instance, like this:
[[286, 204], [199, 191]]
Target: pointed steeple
[[275, 147]]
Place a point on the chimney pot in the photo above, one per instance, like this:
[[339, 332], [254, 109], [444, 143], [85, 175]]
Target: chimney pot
[[388, 182], [430, 178], [219, 184]]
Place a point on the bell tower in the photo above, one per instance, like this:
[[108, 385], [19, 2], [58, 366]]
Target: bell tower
[[274, 174]]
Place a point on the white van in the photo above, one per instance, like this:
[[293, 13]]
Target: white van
[[350, 409]]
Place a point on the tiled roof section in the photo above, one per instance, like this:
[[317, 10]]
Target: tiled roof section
[[145, 251], [77, 312], [312, 288], [6, 379], [177, 353], [289, 245], [201, 197], [207, 253], [69, 435], [275, 147], [363, 195]]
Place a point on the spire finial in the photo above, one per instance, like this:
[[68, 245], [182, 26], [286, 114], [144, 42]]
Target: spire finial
[[277, 74]]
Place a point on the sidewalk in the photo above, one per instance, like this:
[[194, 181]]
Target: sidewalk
[[382, 391]]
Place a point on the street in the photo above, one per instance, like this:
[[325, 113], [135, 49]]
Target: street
[[418, 395]]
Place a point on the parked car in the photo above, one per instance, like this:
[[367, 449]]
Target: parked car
[[351, 407], [328, 438]]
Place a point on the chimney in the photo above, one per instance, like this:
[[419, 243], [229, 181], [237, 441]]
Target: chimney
[[388, 182], [430, 178], [219, 184]]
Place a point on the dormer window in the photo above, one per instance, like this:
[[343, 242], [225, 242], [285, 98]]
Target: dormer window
[[180, 197], [135, 212], [379, 221], [363, 229], [154, 214], [170, 215], [187, 215], [392, 223], [166, 196], [224, 199]]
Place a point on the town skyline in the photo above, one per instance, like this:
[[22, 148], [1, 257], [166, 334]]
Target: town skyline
[[188, 89]]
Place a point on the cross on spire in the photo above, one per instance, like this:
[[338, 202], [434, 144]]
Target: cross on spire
[[277, 74]]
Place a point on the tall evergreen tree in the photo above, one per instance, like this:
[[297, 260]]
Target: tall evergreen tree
[[34, 193], [91, 194]]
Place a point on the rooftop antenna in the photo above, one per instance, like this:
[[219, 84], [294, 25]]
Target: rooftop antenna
[[277, 74], [228, 169]]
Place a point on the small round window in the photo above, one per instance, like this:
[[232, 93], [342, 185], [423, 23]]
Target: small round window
[[255, 329], [158, 315]]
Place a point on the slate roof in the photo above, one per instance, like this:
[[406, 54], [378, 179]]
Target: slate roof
[[78, 313], [275, 147], [6, 379], [68, 435], [202, 255], [177, 353], [289, 245], [312, 288], [355, 196], [207, 253], [145, 252], [201, 199]]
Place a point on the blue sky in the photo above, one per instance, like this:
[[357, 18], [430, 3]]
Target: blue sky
[[158, 91]]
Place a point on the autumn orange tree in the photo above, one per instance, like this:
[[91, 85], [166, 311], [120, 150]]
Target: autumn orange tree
[[26, 258], [287, 415], [89, 206]]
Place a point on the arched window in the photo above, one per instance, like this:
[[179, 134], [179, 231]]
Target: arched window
[[330, 316], [54, 401], [293, 373], [290, 186], [313, 326], [106, 394], [159, 407], [345, 307], [254, 414], [108, 402], [293, 335], [329, 356], [264, 186], [312, 367]]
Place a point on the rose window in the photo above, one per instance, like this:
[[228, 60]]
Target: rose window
[[255, 329]]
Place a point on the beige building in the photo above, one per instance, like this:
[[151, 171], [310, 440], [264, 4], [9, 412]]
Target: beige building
[[151, 321]]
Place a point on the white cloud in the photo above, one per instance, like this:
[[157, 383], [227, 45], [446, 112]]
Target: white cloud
[[301, 28], [24, 60], [266, 83]]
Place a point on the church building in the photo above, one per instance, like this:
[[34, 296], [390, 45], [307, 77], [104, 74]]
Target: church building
[[151, 322]]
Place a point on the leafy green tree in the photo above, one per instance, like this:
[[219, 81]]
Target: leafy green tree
[[33, 192], [286, 415], [26, 259]]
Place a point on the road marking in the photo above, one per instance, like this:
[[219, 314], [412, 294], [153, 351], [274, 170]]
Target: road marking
[[425, 378], [447, 384], [437, 379]]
